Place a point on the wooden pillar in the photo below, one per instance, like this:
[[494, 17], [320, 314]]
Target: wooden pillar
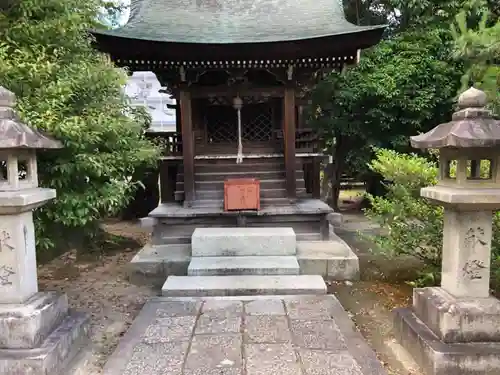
[[289, 141], [187, 146], [300, 117], [178, 126]]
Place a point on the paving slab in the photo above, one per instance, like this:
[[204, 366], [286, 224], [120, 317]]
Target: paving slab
[[253, 335]]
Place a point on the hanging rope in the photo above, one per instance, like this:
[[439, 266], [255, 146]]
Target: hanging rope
[[239, 157], [237, 104]]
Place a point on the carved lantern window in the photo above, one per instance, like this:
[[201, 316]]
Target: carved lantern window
[[18, 142], [469, 144]]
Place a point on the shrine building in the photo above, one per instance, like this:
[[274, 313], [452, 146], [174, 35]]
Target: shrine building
[[240, 71]]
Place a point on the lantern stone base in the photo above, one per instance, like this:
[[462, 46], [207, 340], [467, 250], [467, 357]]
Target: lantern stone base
[[40, 336], [27, 325], [458, 319], [448, 335]]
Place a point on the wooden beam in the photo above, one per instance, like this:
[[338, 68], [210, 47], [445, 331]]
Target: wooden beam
[[231, 91], [178, 123], [289, 142], [187, 146]]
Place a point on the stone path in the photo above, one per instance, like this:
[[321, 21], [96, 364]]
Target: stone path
[[295, 335]]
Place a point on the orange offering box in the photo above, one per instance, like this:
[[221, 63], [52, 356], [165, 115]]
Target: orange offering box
[[241, 194]]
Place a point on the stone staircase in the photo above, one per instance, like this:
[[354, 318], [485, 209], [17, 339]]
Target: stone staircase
[[210, 175], [243, 261], [243, 265]]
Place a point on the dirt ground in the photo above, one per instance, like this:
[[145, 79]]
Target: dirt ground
[[370, 306], [98, 285]]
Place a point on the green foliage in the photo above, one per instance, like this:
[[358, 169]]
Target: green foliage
[[74, 93], [423, 14], [404, 85], [402, 15], [414, 226], [113, 13], [479, 48], [411, 225]]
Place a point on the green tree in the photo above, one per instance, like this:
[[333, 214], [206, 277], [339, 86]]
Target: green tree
[[399, 88], [478, 46], [74, 93], [113, 13], [411, 224], [368, 12], [404, 85]]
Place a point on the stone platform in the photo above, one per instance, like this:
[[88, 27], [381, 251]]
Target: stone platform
[[332, 259], [279, 335]]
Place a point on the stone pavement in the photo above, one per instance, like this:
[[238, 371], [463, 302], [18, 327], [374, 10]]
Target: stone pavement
[[264, 335]]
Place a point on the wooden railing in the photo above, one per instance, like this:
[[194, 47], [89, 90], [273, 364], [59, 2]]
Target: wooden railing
[[306, 140], [170, 141]]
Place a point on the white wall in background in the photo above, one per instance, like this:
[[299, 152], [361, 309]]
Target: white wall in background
[[143, 90]]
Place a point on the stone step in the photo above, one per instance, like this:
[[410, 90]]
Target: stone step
[[186, 238], [245, 265], [223, 174], [204, 286], [174, 240], [219, 185], [309, 237], [243, 241]]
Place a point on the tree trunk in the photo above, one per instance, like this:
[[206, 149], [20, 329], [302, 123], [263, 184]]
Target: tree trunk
[[375, 187], [340, 151], [338, 168], [325, 183]]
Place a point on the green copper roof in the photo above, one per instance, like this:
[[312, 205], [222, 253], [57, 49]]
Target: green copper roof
[[234, 21]]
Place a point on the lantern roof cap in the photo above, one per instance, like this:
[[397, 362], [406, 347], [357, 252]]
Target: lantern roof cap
[[15, 134], [472, 98], [471, 126]]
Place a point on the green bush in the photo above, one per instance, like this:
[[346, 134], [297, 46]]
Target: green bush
[[65, 87], [411, 225]]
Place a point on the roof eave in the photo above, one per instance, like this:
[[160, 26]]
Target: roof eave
[[126, 47]]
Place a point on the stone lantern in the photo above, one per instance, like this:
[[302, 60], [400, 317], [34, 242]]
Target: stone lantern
[[37, 332], [455, 328]]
